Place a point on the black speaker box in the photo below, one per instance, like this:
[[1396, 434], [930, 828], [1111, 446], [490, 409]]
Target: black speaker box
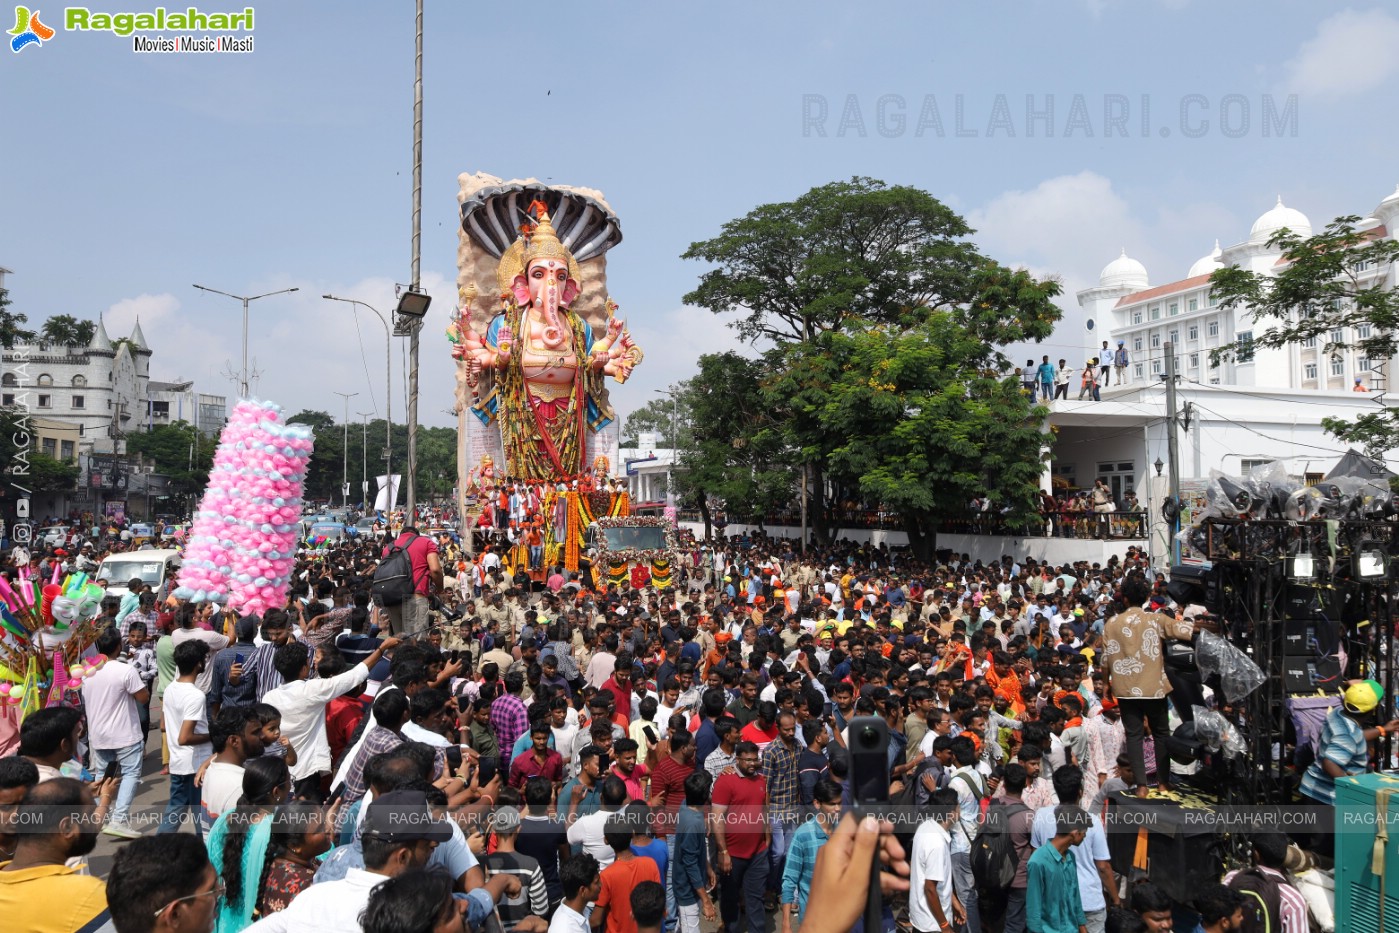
[[1310, 602], [1310, 638], [1310, 674]]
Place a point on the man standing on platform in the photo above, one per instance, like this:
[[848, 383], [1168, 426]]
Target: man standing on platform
[[410, 617], [1134, 655]]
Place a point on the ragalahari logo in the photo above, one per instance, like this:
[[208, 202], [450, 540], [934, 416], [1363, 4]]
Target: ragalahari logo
[[28, 30]]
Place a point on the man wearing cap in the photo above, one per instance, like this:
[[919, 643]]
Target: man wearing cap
[[399, 834], [1120, 361], [1343, 748]]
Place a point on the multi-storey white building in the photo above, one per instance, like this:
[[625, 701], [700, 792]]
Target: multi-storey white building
[[1259, 406]]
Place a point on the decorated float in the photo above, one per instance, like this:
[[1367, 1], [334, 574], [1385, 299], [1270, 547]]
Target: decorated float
[[536, 336]]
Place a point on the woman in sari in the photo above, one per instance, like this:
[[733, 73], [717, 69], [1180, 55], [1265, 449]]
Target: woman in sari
[[239, 839]]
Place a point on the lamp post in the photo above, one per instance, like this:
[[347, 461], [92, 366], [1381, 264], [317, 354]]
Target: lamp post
[[410, 301], [674, 444], [243, 373], [345, 452], [364, 459], [388, 389]]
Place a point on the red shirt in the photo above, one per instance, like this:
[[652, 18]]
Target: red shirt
[[622, 694], [526, 766], [342, 717], [417, 553], [618, 881], [668, 783], [745, 817]]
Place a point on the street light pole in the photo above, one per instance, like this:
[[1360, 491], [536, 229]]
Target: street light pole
[[417, 325], [364, 459], [674, 445], [388, 389], [243, 373], [345, 452]]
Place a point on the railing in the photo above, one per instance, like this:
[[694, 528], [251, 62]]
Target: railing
[[1070, 524]]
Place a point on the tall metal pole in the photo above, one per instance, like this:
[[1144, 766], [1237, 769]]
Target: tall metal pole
[[364, 459], [388, 389], [345, 452], [1172, 450], [243, 373], [412, 502]]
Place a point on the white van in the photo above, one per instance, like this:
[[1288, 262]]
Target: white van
[[155, 568]]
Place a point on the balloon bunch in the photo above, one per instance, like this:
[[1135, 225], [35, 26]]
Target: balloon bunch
[[242, 546], [40, 620]]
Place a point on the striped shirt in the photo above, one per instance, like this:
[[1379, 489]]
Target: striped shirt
[[1342, 742], [1292, 907]]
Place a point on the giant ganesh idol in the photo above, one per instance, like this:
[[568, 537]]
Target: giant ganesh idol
[[533, 369]]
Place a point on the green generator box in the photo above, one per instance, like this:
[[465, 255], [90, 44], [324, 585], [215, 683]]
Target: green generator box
[[1366, 900]]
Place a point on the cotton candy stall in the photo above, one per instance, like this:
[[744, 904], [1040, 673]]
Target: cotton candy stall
[[242, 546]]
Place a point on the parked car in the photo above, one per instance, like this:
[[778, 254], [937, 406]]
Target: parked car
[[154, 568], [331, 531], [52, 536]]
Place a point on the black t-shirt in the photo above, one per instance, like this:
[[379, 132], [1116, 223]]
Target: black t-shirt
[[540, 839]]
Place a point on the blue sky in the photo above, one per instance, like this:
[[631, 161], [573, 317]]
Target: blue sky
[[133, 176]]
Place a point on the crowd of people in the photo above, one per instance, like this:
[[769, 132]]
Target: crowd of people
[[576, 755]]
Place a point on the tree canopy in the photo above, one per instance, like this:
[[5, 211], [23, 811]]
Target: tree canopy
[[64, 330], [885, 327], [1334, 282], [12, 329], [331, 458]]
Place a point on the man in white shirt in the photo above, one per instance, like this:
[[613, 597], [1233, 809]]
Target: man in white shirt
[[302, 703], [932, 903], [399, 835], [183, 709], [110, 699], [587, 831], [970, 787], [236, 736]]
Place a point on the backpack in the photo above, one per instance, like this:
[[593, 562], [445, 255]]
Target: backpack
[[393, 580], [993, 858], [1262, 893]]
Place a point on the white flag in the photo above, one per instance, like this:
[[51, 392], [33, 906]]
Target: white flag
[[387, 499]]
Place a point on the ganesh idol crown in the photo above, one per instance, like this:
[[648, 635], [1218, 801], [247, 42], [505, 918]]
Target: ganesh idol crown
[[533, 361]]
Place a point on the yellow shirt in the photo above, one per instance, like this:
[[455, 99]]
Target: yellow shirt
[[51, 899]]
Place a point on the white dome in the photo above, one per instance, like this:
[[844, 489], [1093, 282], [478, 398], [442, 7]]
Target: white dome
[[1207, 264], [1123, 270], [1277, 218]]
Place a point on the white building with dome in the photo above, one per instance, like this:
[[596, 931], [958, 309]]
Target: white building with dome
[[1264, 405]]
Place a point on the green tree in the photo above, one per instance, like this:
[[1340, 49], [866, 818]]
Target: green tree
[[179, 452], [50, 475], [1334, 281], [732, 449], [923, 426], [12, 329], [64, 330], [656, 417], [338, 453], [847, 257]]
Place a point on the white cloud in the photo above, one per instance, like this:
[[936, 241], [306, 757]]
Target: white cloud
[[1071, 226], [673, 343], [121, 318], [1352, 52]]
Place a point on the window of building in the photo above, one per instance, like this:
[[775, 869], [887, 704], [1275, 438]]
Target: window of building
[[1155, 341], [1136, 317], [1194, 332], [1137, 344], [1174, 309], [1338, 366], [1137, 370], [1193, 305], [1364, 265], [1213, 301], [1312, 479], [109, 404], [1362, 332], [50, 447], [1362, 364], [160, 410], [1156, 313], [45, 401], [1338, 335], [1309, 371], [1309, 343], [1213, 329], [9, 380], [1246, 346], [79, 381], [1214, 381], [45, 379], [1175, 338], [79, 401], [109, 377], [1194, 361], [1156, 366], [9, 399], [1246, 465], [67, 448]]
